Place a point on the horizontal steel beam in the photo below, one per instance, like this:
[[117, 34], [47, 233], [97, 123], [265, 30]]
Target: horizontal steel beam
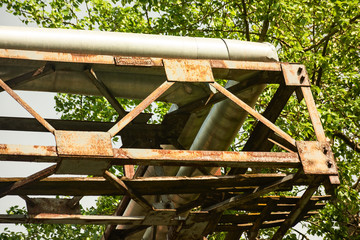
[[82, 186], [132, 156], [129, 61]]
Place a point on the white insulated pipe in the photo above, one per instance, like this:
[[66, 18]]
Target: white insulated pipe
[[132, 44]]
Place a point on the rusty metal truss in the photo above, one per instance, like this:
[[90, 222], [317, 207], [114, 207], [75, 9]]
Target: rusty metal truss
[[235, 202]]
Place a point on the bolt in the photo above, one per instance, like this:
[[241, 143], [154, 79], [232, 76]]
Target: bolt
[[302, 78], [329, 164], [299, 71], [325, 150]]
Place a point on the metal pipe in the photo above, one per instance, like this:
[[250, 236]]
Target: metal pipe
[[131, 44]]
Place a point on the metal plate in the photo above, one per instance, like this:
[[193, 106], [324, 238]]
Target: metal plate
[[316, 158], [133, 61], [295, 75], [184, 70], [52, 205], [76, 143]]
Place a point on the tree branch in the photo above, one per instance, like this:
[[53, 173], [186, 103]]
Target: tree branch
[[351, 143], [246, 22], [330, 34], [320, 71], [303, 235], [266, 24]]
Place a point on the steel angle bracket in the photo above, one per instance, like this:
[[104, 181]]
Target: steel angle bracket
[[316, 158], [185, 70], [74, 146], [295, 75]]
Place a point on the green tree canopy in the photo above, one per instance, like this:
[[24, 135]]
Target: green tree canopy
[[324, 35]]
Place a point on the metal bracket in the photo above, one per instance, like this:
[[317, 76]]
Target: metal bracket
[[52, 205], [316, 158], [295, 75], [184, 70], [77, 143]]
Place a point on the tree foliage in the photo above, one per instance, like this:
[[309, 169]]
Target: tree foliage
[[324, 35]]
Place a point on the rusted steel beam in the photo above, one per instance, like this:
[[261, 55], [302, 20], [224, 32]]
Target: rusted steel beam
[[246, 65], [255, 114], [128, 156], [295, 213], [127, 61], [186, 70], [259, 78], [258, 137], [129, 171], [26, 107], [139, 108], [131, 192], [276, 140], [254, 230], [68, 186], [246, 226], [252, 217], [72, 219], [27, 77], [109, 231], [314, 115], [80, 143], [56, 56], [82, 186], [105, 91], [30, 124], [27, 181], [73, 202], [295, 75], [258, 207], [148, 134], [242, 199], [32, 153], [199, 184], [317, 158], [204, 158]]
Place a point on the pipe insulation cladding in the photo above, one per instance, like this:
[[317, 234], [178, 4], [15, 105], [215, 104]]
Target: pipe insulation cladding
[[132, 44]]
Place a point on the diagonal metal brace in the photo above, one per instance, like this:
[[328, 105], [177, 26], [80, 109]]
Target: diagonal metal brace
[[29, 76], [27, 107], [26, 181], [121, 185], [255, 114], [139, 108]]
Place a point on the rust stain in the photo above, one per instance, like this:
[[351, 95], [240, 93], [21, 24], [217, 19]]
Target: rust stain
[[76, 143], [184, 70]]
